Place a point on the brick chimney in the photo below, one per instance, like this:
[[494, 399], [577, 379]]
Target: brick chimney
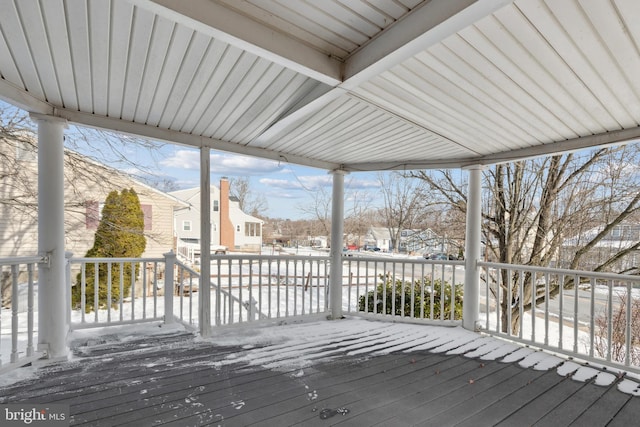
[[227, 232]]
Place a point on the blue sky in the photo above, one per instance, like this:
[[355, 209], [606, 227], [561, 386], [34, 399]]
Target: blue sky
[[286, 187]]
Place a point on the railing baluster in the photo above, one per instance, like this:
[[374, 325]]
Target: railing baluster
[[121, 296], [509, 297], [133, 290], [109, 293], [546, 308], [83, 291], [592, 309], [576, 286], [629, 318], [14, 312], [30, 303], [561, 311]]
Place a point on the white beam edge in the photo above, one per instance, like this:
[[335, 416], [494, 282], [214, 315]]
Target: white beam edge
[[180, 138], [421, 28], [226, 25], [22, 99], [619, 137]]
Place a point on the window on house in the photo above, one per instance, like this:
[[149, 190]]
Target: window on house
[[216, 206], [252, 229], [186, 225], [214, 227], [616, 232], [238, 228]]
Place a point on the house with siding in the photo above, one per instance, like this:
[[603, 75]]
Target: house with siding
[[87, 184], [231, 228]]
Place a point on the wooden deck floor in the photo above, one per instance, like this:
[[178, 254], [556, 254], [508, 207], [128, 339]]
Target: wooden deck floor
[[351, 380]]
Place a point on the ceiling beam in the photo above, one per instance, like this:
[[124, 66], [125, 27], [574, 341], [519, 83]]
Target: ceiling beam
[[226, 25], [175, 137], [423, 27], [23, 99], [426, 25]]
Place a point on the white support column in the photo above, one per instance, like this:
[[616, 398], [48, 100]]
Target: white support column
[[470, 310], [337, 227], [169, 286], [204, 291], [52, 284]]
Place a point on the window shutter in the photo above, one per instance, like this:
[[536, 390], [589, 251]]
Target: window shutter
[[92, 214], [147, 210]]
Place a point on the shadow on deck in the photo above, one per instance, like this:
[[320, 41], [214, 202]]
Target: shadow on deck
[[352, 372]]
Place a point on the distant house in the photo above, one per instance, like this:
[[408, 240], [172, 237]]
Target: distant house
[[411, 241], [230, 226], [378, 237], [87, 184], [623, 236], [420, 241]]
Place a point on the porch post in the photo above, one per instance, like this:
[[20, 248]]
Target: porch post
[[52, 284], [204, 291], [337, 227], [470, 309]]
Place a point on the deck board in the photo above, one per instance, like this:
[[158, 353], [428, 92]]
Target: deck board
[[348, 378]]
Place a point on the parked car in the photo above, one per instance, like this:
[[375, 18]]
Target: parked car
[[439, 256]]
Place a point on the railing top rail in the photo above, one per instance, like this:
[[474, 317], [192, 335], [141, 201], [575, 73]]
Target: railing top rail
[[107, 259], [268, 257], [390, 258], [564, 271], [21, 260]]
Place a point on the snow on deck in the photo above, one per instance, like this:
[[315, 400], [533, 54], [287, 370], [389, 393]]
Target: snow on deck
[[352, 371]]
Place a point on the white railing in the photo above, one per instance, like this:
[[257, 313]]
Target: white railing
[[17, 327], [592, 316], [243, 288], [402, 287], [133, 296], [268, 287]]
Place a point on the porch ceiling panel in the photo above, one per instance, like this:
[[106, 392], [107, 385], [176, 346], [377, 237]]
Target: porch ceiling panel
[[335, 84], [340, 129], [532, 73], [334, 27]]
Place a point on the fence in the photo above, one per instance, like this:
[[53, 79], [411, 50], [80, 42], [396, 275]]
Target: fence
[[244, 288], [132, 296], [593, 316], [403, 287], [17, 327]]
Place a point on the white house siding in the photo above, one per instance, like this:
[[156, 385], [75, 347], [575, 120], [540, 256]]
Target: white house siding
[[18, 222], [237, 216], [240, 220]]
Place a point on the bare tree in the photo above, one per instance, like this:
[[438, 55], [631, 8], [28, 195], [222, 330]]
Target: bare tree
[[358, 218], [320, 209], [404, 204], [531, 208], [250, 202]]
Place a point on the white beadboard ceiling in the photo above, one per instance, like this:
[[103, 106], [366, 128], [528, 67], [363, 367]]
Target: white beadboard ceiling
[[336, 84]]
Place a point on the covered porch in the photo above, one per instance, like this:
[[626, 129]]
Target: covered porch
[[346, 372], [344, 86]]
